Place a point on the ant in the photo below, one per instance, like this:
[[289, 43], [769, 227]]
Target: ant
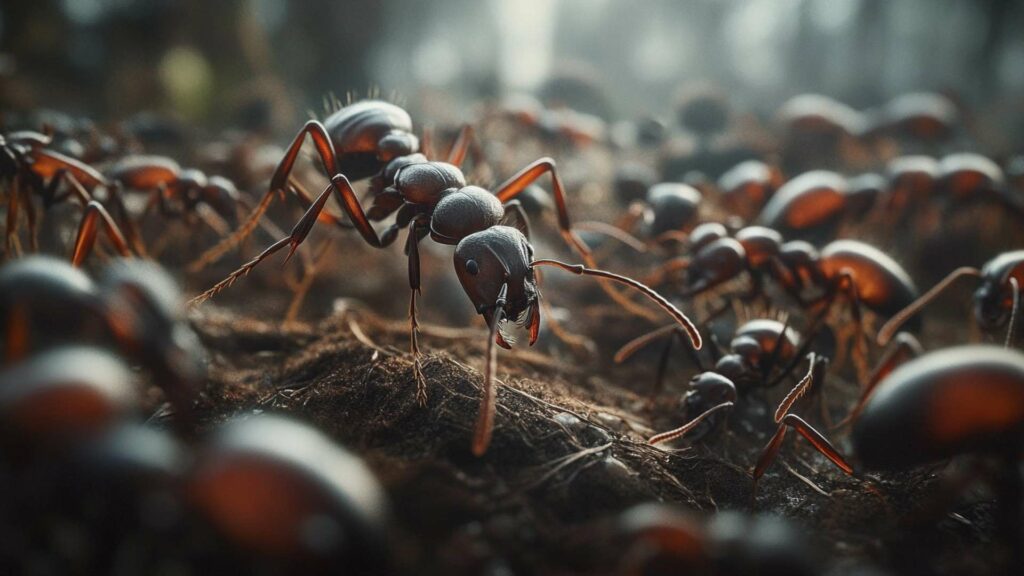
[[757, 348], [27, 166], [660, 539], [966, 399], [996, 300], [667, 214], [213, 199], [494, 262], [135, 308], [289, 491]]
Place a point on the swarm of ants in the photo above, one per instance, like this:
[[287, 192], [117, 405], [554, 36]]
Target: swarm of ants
[[171, 401]]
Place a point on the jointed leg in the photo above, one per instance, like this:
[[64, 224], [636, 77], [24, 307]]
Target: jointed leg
[[901, 350], [13, 201], [278, 183], [528, 175], [346, 197], [457, 153], [412, 247], [786, 419], [87, 233]]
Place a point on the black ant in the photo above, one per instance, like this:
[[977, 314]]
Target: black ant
[[494, 262]]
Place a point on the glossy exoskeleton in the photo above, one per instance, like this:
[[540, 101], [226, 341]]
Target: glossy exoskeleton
[[281, 490], [28, 168], [135, 309], [996, 300], [494, 262]]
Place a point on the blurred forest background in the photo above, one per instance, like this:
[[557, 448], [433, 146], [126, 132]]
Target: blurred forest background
[[265, 63]]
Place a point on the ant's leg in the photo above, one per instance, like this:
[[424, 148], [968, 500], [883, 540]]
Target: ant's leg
[[75, 188], [820, 443], [412, 247], [900, 351], [848, 284], [659, 379], [894, 323], [457, 153], [515, 216], [87, 233], [13, 201], [427, 143], [1015, 288], [131, 231], [278, 183], [485, 418], [528, 175], [679, 432], [662, 272], [815, 376], [347, 199]]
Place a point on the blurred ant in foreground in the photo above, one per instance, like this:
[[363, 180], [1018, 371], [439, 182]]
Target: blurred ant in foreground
[[494, 262], [135, 308]]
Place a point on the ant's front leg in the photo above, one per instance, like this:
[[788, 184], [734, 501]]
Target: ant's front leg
[[785, 419], [528, 175]]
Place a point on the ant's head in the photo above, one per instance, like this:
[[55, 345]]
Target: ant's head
[[494, 265]]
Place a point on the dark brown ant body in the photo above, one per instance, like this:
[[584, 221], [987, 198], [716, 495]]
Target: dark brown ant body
[[962, 400], [135, 309], [494, 262], [996, 300], [808, 206]]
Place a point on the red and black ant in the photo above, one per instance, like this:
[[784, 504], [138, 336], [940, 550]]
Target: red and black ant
[[28, 167], [494, 262], [135, 309]]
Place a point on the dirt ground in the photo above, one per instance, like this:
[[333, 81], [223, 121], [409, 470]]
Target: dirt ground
[[569, 450]]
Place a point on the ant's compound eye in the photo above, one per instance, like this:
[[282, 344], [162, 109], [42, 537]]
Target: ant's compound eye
[[472, 267]]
